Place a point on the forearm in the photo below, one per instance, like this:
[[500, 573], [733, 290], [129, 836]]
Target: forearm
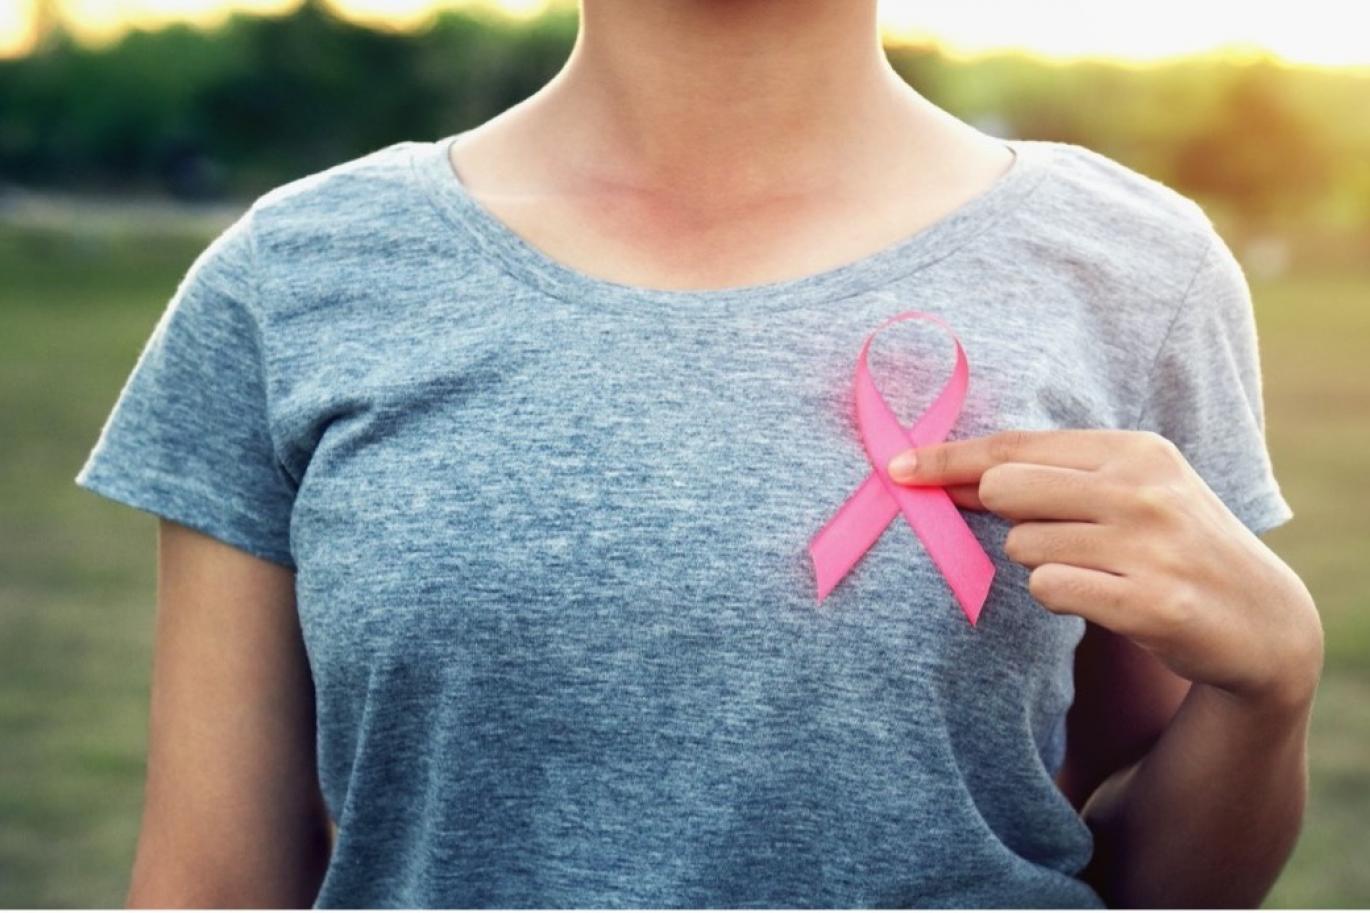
[[283, 874], [1209, 816]]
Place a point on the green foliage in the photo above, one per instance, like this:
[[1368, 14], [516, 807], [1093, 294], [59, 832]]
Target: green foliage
[[1257, 150], [259, 101], [266, 99], [1268, 145]]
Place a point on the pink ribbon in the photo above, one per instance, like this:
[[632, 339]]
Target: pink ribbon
[[929, 510]]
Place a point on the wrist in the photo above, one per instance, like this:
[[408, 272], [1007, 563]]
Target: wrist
[[1285, 696], [1295, 662], [1265, 712]]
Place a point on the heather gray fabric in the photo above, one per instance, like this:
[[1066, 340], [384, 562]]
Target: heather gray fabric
[[549, 532]]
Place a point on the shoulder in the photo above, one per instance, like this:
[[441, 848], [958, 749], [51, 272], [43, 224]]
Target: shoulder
[[335, 228], [1102, 193], [1084, 170], [1113, 221], [359, 186]]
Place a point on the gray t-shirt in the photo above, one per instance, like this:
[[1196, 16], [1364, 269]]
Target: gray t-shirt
[[550, 531]]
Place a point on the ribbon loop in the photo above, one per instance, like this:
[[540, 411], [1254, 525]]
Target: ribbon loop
[[928, 510]]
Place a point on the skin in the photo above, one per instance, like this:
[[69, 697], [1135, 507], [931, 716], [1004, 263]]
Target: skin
[[1185, 608], [690, 145], [232, 813], [703, 144]]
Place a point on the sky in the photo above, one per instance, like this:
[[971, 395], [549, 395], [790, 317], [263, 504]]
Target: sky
[[1313, 32]]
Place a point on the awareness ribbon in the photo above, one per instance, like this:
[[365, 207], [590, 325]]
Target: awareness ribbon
[[929, 510]]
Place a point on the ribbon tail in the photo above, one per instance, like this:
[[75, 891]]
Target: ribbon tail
[[846, 537], [950, 543]]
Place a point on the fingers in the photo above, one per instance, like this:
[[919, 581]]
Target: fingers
[[967, 496], [1030, 491], [1097, 596], [953, 462], [1086, 545]]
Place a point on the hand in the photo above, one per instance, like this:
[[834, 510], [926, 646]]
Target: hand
[[1117, 527]]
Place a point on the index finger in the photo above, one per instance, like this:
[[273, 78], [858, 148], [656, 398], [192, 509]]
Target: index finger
[[959, 462]]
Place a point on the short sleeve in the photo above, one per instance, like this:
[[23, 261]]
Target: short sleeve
[[1205, 392], [188, 438]]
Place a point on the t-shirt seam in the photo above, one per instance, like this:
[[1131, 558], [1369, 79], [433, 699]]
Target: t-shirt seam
[[1171, 323], [256, 318]]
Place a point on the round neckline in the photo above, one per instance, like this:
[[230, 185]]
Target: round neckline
[[522, 260]]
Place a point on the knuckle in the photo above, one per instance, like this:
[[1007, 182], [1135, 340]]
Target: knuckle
[[1154, 501], [1005, 445], [1157, 446], [1178, 607], [1149, 438], [941, 461], [1169, 558], [1069, 542]]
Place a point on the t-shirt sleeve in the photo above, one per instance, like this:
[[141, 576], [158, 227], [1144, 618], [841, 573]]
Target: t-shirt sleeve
[[1205, 392], [188, 438]]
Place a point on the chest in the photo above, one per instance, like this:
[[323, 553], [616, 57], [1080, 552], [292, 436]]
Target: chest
[[603, 508]]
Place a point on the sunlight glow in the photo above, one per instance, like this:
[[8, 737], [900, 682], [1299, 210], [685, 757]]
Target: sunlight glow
[[18, 26], [98, 22], [1317, 32], [1312, 32]]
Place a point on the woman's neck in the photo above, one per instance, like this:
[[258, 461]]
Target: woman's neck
[[739, 99]]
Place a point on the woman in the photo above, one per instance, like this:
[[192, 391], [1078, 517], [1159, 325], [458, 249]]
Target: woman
[[488, 468]]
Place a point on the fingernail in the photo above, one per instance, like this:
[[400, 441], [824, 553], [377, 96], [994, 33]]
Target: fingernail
[[901, 467]]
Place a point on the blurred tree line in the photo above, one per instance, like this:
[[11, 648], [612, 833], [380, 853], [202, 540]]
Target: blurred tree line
[[207, 114], [264, 99]]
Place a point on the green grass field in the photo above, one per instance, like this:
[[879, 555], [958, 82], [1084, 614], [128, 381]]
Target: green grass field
[[77, 571]]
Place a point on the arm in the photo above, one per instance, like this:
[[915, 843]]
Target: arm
[[1201, 807], [232, 814], [1210, 813], [1124, 699]]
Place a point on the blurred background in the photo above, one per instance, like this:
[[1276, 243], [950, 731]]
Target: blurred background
[[132, 131]]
